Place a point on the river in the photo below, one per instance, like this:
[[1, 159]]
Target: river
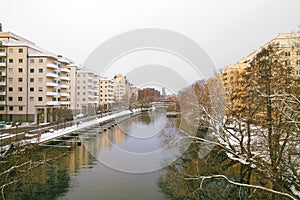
[[128, 161]]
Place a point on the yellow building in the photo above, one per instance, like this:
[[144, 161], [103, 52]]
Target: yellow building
[[289, 43]]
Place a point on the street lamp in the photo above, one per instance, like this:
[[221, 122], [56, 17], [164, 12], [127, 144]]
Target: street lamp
[[17, 124]]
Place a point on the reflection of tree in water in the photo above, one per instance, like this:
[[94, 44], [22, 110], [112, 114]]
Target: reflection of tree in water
[[181, 179], [41, 173], [145, 118]]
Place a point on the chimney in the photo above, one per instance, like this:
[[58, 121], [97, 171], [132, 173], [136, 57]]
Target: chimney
[[0, 27]]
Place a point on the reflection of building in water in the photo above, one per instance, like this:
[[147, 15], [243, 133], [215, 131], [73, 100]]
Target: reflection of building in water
[[103, 141], [79, 156], [118, 136]]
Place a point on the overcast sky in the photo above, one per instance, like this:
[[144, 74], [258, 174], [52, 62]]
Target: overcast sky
[[226, 29]]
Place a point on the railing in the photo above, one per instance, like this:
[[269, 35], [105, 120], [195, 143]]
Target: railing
[[51, 84], [51, 93]]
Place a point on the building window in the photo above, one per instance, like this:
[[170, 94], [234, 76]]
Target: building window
[[20, 108], [41, 60], [40, 80], [287, 53], [1, 107], [10, 98], [10, 80], [11, 60], [20, 50], [298, 72], [31, 61], [31, 89], [10, 50], [31, 98], [20, 60], [10, 89], [298, 62], [40, 98], [10, 70], [20, 89], [20, 80], [31, 80], [11, 108], [31, 70], [20, 70], [40, 70], [40, 89], [20, 98]]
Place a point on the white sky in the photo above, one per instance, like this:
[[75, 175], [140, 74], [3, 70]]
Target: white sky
[[226, 29]]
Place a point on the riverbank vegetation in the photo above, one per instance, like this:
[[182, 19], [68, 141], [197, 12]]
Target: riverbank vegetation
[[255, 123]]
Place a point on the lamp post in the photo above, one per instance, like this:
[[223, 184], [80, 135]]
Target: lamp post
[[17, 124]]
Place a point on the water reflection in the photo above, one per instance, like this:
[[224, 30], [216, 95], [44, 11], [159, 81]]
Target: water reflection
[[77, 174], [41, 173]]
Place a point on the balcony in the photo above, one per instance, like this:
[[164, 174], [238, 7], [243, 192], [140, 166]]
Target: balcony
[[2, 73], [64, 86], [52, 103], [51, 93], [2, 102], [65, 78], [2, 54], [51, 84], [2, 93], [65, 94], [2, 64], [53, 75], [2, 83], [52, 65], [65, 103], [65, 70]]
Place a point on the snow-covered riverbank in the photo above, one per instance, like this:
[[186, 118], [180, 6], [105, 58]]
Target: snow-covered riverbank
[[61, 132]]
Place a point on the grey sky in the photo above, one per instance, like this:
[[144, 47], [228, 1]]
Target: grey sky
[[226, 29]]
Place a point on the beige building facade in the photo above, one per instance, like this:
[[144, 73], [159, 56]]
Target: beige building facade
[[34, 83]]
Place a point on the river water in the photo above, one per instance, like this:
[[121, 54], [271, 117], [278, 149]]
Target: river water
[[123, 162], [96, 169]]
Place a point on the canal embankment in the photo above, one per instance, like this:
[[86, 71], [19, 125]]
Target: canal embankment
[[45, 135]]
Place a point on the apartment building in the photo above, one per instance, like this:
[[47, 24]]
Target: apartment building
[[289, 44], [122, 89], [34, 83], [232, 73], [107, 95], [88, 90]]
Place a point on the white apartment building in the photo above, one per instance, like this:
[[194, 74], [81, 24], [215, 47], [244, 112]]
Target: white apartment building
[[107, 95], [87, 91]]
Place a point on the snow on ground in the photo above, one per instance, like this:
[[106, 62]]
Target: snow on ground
[[57, 133]]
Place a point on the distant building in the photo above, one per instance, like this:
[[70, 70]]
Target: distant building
[[122, 89], [107, 95], [87, 91], [163, 92], [148, 95]]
